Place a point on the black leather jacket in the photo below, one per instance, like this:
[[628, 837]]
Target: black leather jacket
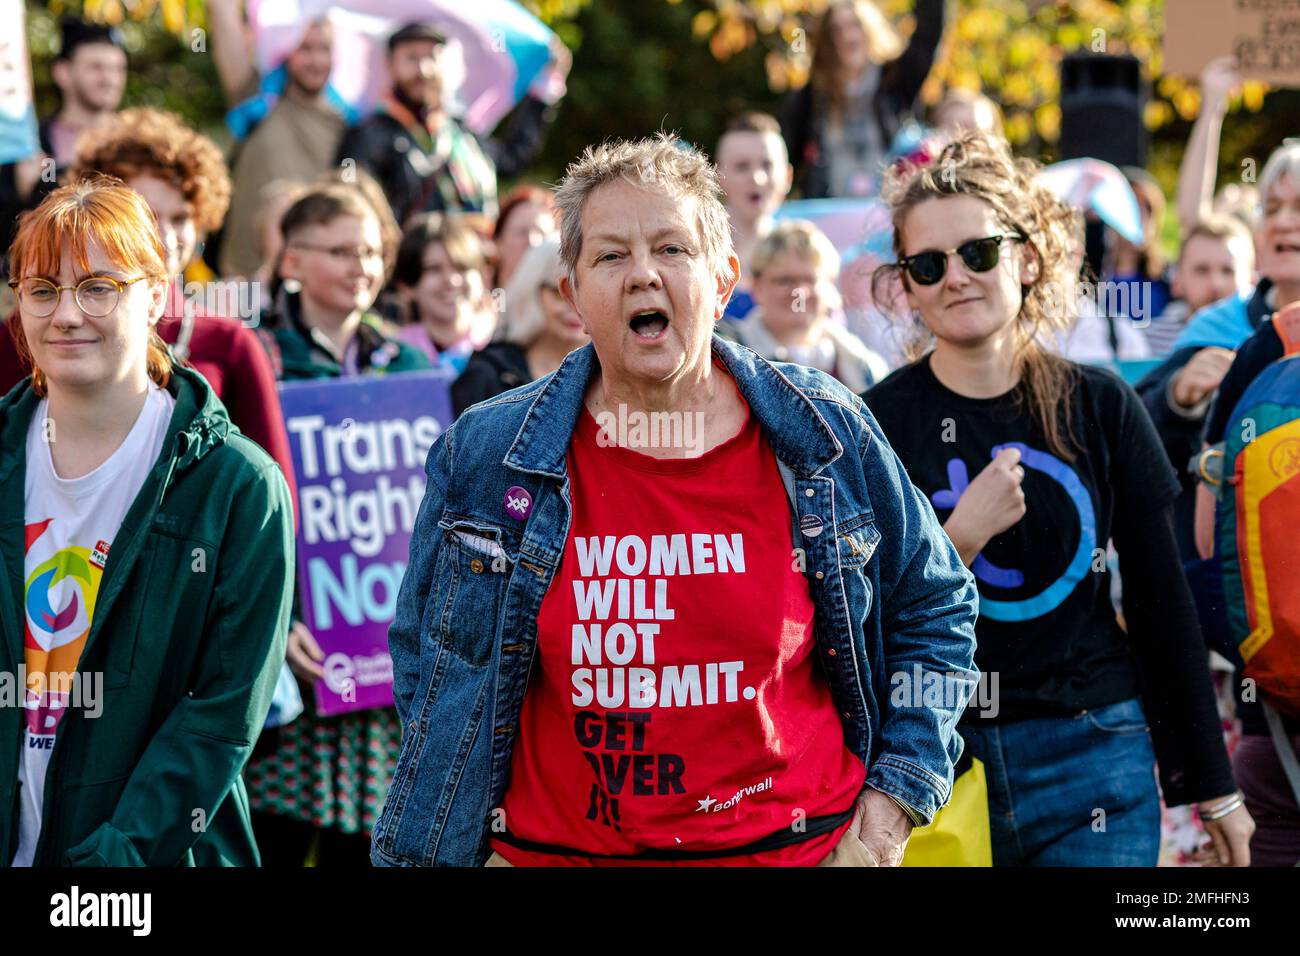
[[383, 147]]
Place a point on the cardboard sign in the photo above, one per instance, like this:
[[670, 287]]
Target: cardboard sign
[[18, 136], [359, 446], [1264, 35]]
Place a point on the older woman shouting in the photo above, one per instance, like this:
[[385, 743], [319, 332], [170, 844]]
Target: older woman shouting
[[670, 603]]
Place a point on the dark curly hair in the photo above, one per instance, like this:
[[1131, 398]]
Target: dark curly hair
[[146, 141]]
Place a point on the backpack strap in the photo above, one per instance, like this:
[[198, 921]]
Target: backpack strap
[[1285, 753], [1287, 325], [1206, 466]]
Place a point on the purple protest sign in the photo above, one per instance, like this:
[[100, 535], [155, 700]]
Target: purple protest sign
[[359, 447]]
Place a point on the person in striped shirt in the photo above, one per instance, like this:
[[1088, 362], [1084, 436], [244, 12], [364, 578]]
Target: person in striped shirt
[[1217, 260]]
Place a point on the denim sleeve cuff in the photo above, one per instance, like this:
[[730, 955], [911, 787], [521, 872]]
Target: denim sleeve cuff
[[913, 814], [919, 792]]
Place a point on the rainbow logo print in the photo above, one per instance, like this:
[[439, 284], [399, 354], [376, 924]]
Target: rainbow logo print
[[59, 601]]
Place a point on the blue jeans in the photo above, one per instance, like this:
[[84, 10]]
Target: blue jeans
[[1071, 791]]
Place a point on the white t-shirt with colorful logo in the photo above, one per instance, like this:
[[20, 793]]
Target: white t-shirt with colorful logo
[[70, 526]]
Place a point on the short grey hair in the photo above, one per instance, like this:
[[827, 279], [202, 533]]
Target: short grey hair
[[522, 321], [1285, 161], [658, 162]]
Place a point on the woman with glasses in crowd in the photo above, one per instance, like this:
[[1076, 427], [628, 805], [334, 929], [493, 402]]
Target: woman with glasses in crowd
[[1036, 464], [795, 268], [327, 774], [150, 545]]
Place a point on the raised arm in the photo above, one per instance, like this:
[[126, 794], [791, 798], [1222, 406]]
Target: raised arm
[[1200, 164], [232, 48]]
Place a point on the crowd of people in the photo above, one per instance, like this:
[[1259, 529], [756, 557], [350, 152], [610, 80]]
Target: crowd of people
[[912, 470]]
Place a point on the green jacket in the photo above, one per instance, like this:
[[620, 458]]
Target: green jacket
[[189, 633], [297, 352]]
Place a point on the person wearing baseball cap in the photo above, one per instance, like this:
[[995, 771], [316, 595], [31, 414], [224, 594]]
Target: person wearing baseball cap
[[424, 158]]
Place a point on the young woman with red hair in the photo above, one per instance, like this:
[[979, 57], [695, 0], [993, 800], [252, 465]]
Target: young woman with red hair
[[149, 548]]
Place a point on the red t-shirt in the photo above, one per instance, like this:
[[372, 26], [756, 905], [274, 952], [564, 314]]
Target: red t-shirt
[[675, 701]]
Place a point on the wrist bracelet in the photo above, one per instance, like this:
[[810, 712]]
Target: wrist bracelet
[[1222, 810], [1218, 805]]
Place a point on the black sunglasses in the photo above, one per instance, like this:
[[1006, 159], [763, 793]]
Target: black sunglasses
[[978, 255]]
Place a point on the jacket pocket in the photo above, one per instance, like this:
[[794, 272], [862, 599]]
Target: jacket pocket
[[469, 586], [857, 540]]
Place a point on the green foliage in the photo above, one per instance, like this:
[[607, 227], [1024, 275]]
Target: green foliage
[[685, 65], [165, 71]]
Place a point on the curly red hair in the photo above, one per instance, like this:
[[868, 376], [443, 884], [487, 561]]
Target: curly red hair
[[146, 141]]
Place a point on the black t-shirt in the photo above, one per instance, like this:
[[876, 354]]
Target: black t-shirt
[[1047, 626]]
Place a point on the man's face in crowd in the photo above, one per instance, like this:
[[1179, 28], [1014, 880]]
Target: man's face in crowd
[[416, 69], [1211, 269], [94, 76], [644, 285], [755, 174], [309, 66]]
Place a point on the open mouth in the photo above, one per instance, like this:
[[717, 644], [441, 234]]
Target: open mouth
[[649, 324]]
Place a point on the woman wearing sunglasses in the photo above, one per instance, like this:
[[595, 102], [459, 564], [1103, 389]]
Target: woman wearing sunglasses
[[1036, 464], [150, 546]]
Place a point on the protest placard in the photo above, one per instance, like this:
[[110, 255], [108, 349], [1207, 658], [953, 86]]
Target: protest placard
[[359, 448], [1264, 35], [18, 136]]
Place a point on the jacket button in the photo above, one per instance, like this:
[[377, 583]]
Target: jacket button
[[831, 651], [819, 575], [808, 493], [476, 566]]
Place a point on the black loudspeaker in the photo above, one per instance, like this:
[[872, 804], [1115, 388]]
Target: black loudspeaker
[[1102, 101]]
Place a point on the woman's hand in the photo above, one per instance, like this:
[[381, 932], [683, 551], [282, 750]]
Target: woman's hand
[[304, 652], [1229, 837], [884, 827], [991, 504]]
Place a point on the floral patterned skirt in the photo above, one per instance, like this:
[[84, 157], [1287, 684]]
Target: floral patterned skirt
[[329, 771]]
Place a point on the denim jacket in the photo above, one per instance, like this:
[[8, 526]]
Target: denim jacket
[[894, 606]]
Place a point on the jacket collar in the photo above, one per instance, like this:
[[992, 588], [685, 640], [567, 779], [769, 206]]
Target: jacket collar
[[798, 434]]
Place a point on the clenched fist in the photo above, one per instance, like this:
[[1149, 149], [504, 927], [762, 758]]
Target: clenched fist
[[991, 504]]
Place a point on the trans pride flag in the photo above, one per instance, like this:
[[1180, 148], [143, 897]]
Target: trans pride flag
[[18, 139], [496, 48]]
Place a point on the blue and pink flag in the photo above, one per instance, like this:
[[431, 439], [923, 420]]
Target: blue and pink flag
[[18, 136], [496, 48]]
